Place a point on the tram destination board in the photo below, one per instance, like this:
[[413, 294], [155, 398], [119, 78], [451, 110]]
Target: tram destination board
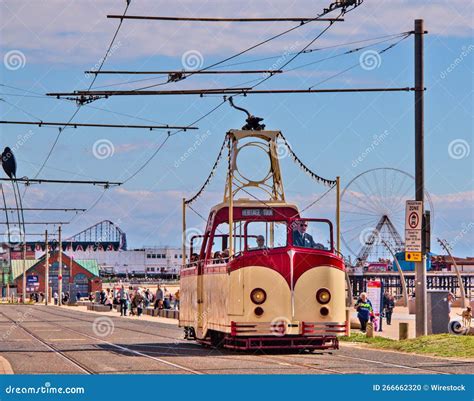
[[413, 232], [253, 212]]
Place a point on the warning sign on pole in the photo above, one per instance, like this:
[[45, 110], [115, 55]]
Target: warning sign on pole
[[413, 230]]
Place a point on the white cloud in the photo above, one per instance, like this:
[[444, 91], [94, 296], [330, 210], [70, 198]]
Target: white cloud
[[73, 32]]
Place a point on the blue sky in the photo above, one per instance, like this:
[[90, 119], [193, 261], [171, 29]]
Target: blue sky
[[57, 41]]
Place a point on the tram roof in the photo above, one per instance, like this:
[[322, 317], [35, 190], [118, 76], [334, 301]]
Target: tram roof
[[239, 133]]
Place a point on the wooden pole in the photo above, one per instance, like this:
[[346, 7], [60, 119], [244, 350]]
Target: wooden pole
[[60, 269], [24, 268], [338, 213], [420, 267], [184, 232], [46, 267]]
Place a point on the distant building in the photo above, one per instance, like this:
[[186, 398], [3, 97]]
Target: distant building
[[78, 275], [163, 261]]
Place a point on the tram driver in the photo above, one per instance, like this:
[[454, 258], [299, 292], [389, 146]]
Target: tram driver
[[302, 238]]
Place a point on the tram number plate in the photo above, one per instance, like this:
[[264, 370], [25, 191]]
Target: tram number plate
[[257, 212]]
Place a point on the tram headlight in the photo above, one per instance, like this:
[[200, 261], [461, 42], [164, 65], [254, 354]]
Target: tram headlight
[[258, 296], [323, 296]]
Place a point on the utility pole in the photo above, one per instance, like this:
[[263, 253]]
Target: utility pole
[[60, 268], [46, 267], [24, 267], [420, 267]]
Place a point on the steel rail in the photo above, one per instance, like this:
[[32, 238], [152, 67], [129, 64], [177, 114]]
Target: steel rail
[[53, 349]]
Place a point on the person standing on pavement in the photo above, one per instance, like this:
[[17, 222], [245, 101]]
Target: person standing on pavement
[[159, 298], [176, 300], [123, 297], [364, 311], [389, 306]]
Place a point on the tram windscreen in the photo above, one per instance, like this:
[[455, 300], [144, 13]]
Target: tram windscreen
[[313, 234], [266, 235]]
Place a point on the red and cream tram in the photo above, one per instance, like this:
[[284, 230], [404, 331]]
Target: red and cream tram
[[263, 276]]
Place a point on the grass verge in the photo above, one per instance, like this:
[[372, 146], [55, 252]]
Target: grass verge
[[445, 345]]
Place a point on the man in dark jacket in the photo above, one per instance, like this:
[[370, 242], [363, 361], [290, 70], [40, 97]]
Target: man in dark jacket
[[388, 305], [364, 311], [302, 238]]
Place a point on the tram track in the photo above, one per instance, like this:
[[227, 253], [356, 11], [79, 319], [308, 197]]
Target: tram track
[[394, 365], [117, 319], [84, 369], [286, 361], [108, 343], [228, 355], [156, 351]]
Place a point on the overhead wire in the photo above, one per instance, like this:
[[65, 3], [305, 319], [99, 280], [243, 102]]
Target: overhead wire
[[307, 51], [391, 46], [89, 106], [90, 86], [21, 109], [299, 52], [303, 23], [169, 135]]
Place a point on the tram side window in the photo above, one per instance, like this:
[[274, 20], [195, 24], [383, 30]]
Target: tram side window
[[311, 234], [195, 243], [266, 235], [220, 244]]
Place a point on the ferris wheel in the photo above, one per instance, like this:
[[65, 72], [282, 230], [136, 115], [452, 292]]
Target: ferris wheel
[[373, 213]]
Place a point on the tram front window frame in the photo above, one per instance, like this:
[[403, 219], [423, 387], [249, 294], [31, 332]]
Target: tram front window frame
[[269, 239], [293, 223]]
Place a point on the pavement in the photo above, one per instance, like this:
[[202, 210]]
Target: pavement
[[59, 340], [401, 315], [113, 312], [5, 367]]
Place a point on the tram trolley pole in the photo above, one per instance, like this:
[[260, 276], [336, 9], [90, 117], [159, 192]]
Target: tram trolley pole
[[420, 267]]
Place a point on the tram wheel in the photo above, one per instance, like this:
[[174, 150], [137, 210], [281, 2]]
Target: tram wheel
[[217, 338]]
